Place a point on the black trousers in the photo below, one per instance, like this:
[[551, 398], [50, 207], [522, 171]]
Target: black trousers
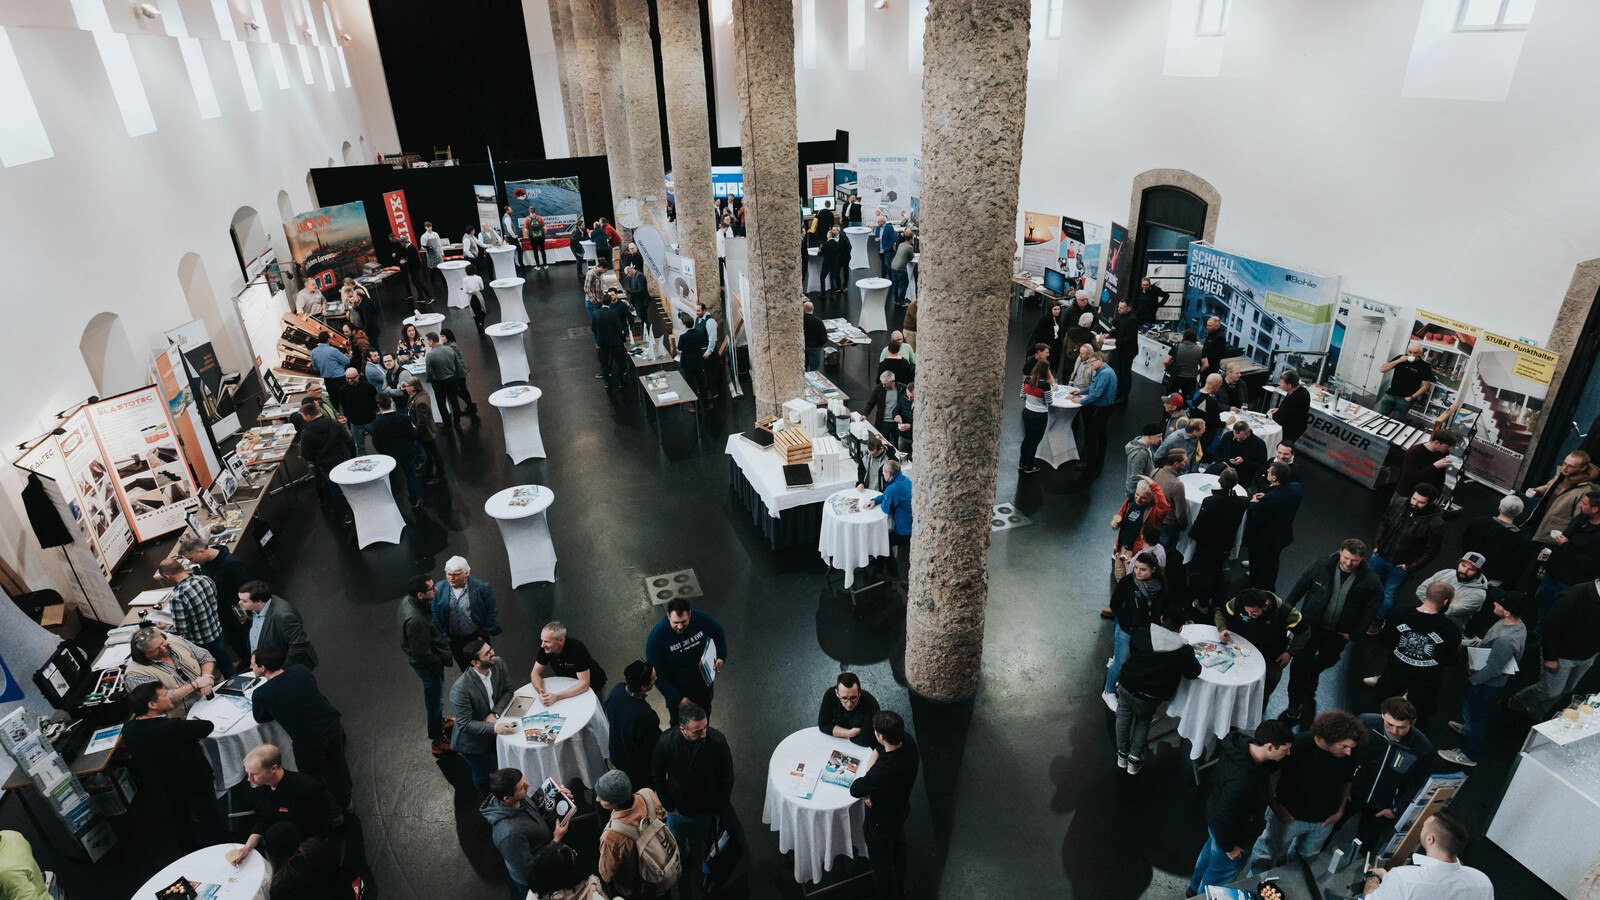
[[614, 364], [196, 820], [1096, 419], [1264, 565], [445, 392], [536, 246], [334, 389], [478, 315], [1208, 578], [886, 846], [1319, 654], [430, 452], [419, 286], [323, 758], [1420, 686]]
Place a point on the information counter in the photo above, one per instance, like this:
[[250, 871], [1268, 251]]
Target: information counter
[[1353, 440]]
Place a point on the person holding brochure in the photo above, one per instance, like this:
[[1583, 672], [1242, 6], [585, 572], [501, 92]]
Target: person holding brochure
[[562, 657], [886, 785], [847, 712], [516, 827], [1491, 661], [474, 698], [688, 649]]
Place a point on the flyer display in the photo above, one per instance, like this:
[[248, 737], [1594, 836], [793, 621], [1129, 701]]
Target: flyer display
[[137, 436], [1263, 307], [679, 287]]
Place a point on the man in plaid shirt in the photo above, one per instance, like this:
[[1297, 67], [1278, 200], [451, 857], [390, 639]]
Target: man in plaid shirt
[[194, 611]]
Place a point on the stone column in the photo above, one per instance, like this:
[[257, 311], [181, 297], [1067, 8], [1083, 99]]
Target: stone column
[[580, 24], [644, 113], [768, 136], [974, 85], [613, 105], [571, 112], [689, 133]]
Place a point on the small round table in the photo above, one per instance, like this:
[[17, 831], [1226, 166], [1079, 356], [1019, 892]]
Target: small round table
[[519, 415], [209, 865], [1262, 426], [1197, 486], [873, 292], [454, 270], [365, 482], [419, 369], [852, 535], [509, 292], [813, 269], [511, 350], [1058, 445], [588, 252], [425, 322], [829, 823], [520, 513], [236, 735], [504, 259], [858, 245], [1228, 693], [580, 749]]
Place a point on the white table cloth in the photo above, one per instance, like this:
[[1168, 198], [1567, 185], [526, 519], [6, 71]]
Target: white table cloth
[[420, 370], [813, 269], [1270, 432], [519, 415], [520, 513], [504, 260], [425, 322], [510, 349], [209, 865], [911, 276], [1197, 486], [454, 270], [1222, 698], [873, 293], [858, 246], [849, 540], [588, 251], [509, 292], [236, 734], [365, 482], [828, 824], [764, 471], [1058, 445], [580, 751]]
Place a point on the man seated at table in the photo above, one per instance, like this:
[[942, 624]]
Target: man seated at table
[[182, 668], [291, 698], [1264, 620], [475, 699], [635, 727], [287, 796], [562, 657], [1243, 451], [847, 711], [1233, 393], [172, 768], [1434, 872]]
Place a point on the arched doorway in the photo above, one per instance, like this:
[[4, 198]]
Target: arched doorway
[[347, 153], [109, 356], [1170, 208], [249, 236]]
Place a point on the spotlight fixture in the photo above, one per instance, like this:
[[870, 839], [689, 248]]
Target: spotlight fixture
[[252, 24], [310, 35], [345, 36], [881, 4], [148, 10]]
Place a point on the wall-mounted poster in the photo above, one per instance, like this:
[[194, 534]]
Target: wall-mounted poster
[[137, 436], [819, 180], [1118, 259], [1041, 242], [1094, 237], [483, 198], [845, 181], [332, 243], [558, 203], [1447, 346], [1264, 307], [679, 287], [1509, 382], [83, 475]]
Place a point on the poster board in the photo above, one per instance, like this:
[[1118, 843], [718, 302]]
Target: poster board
[[1069, 254], [819, 180], [399, 214], [1509, 381], [84, 479], [173, 378], [151, 475], [1447, 346], [890, 183], [483, 199], [1167, 269], [679, 288], [261, 310], [727, 181], [1094, 250], [333, 243], [1118, 259], [1041, 242], [1365, 334], [214, 398], [560, 205], [1264, 307]]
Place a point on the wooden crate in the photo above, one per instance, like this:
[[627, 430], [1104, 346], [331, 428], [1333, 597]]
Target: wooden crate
[[793, 445]]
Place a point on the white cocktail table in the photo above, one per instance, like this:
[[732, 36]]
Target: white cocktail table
[[519, 414], [520, 513], [510, 348], [365, 482], [454, 270], [813, 269], [873, 293], [850, 538], [1059, 445], [579, 750], [209, 865], [509, 292], [828, 824], [504, 259], [858, 246]]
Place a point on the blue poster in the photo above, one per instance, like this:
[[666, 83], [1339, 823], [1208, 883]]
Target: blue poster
[[9, 688], [1264, 307]]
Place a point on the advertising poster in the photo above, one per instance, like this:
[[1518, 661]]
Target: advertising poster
[[1041, 242], [916, 188], [819, 180], [394, 206], [845, 181], [895, 193], [1364, 334], [1263, 307], [679, 287], [1118, 259], [869, 184], [1069, 255], [1510, 381], [137, 436], [333, 243], [483, 198], [727, 181], [1447, 346], [205, 373], [178, 392], [558, 202], [1094, 238], [90, 497]]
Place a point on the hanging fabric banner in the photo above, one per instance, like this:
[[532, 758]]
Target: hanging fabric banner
[[1264, 307], [394, 204]]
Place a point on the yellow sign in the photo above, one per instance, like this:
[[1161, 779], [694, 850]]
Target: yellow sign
[[1533, 363], [1447, 322]]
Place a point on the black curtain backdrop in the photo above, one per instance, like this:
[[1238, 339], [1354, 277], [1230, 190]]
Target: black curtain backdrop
[[459, 75]]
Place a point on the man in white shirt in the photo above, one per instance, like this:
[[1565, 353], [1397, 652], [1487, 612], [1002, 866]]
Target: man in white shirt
[[1436, 873], [472, 249], [472, 286], [308, 302]]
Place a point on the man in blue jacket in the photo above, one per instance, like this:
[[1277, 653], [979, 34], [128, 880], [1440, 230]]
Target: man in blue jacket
[[674, 648], [330, 363], [896, 502], [887, 238], [464, 609]]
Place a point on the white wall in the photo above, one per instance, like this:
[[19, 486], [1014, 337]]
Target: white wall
[[1479, 210], [105, 224]]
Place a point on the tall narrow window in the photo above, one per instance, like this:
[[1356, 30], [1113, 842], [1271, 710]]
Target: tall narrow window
[[857, 34], [293, 31], [1052, 18], [1213, 18], [338, 46], [916, 27], [22, 140], [194, 60], [117, 57], [241, 54], [1495, 15], [322, 50], [264, 34], [808, 33]]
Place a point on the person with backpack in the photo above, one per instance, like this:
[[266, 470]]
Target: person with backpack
[[639, 858]]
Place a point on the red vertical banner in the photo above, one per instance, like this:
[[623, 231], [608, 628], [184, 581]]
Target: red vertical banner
[[394, 203]]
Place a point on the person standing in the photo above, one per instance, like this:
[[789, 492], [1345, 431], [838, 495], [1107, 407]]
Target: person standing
[[1558, 498], [432, 255], [692, 357], [459, 383], [1158, 661], [1293, 412], [228, 574], [816, 336], [1468, 586], [1183, 364], [405, 256], [443, 367], [465, 609], [834, 256], [290, 697], [1269, 528], [1503, 544], [899, 269], [896, 502], [1267, 623], [308, 301], [675, 647], [1436, 871], [275, 623], [560, 656], [691, 770], [360, 405], [1500, 644], [428, 652], [1336, 597], [473, 250], [420, 410], [184, 669], [1567, 647], [330, 363], [1036, 392], [1234, 810], [635, 727], [611, 325], [393, 435], [1391, 767], [472, 286], [635, 285], [20, 876], [1148, 300], [1125, 328], [1213, 350], [634, 815], [513, 233], [1097, 403], [1137, 602], [1215, 531], [284, 795], [1412, 380], [1574, 559], [535, 228], [516, 827], [1409, 535], [1426, 463], [193, 605], [482, 689], [1312, 792], [885, 234], [891, 774], [172, 767]]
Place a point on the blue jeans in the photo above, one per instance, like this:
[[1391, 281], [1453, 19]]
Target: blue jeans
[[1391, 578], [219, 649], [813, 359], [432, 699], [1280, 841], [1121, 647], [1549, 590], [899, 283], [693, 834], [1214, 867], [482, 764], [1475, 706], [1394, 407], [359, 433]]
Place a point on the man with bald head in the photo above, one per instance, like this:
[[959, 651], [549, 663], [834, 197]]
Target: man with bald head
[[1214, 349], [1413, 379]]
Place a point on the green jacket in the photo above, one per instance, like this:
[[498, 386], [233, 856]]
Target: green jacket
[[420, 638], [20, 877]]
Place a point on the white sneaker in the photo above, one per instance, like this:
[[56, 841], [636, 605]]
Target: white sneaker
[[1134, 765], [1458, 728], [1370, 681], [1457, 757], [1122, 760], [1110, 701]]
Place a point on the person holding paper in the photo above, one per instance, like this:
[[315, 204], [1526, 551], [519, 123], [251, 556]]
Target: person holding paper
[[675, 648], [1487, 661], [515, 825]]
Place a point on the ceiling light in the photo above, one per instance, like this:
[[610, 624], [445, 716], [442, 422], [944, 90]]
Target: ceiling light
[[345, 36], [310, 35], [881, 4], [252, 24], [148, 10]]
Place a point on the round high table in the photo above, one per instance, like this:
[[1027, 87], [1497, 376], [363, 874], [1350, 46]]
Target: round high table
[[509, 347], [1197, 486], [425, 322], [873, 292], [236, 734], [419, 369], [828, 824], [1058, 445], [580, 750], [588, 252], [508, 291], [851, 538], [858, 245], [813, 269], [520, 513], [209, 865], [1262, 426], [1227, 695], [519, 414], [365, 482], [504, 259], [454, 270]]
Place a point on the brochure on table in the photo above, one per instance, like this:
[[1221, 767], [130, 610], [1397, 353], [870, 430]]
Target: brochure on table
[[56, 784]]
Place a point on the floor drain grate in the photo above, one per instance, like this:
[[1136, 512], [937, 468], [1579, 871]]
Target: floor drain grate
[[579, 332], [1006, 517], [664, 587]]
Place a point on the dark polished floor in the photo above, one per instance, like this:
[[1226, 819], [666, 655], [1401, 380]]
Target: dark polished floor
[[1018, 794]]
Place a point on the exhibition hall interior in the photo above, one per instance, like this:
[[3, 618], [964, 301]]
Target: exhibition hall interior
[[578, 449]]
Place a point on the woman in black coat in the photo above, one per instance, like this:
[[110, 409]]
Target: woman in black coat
[[1049, 330]]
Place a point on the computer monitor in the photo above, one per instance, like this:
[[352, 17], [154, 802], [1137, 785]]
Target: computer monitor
[[1055, 282], [821, 203]]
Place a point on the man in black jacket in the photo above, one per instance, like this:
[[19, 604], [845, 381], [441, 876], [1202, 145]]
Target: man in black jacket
[[635, 727], [692, 771], [1336, 598], [287, 796], [394, 435], [692, 353], [1408, 538], [359, 401], [1422, 642], [1264, 620], [1235, 810], [291, 698], [171, 767], [1215, 530], [1293, 412], [1390, 768], [1148, 300], [887, 784], [847, 710], [1158, 661], [1125, 328], [1573, 560], [1242, 450], [324, 443], [835, 256], [816, 335], [228, 573], [1214, 349], [1505, 546], [1568, 648], [611, 326]]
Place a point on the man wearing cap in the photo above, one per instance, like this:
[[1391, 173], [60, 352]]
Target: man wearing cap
[[1502, 643], [1174, 410], [1141, 458], [1469, 584]]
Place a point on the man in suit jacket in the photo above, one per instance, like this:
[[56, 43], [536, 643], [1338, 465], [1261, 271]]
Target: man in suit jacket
[[611, 328], [275, 623], [464, 608], [474, 699]]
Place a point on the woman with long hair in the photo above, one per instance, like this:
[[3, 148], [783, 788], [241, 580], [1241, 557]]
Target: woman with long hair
[[411, 345], [1036, 390], [1136, 602], [1049, 330]]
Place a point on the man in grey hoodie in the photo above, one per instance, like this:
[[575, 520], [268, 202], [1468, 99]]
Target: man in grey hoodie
[[517, 828], [1503, 642]]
